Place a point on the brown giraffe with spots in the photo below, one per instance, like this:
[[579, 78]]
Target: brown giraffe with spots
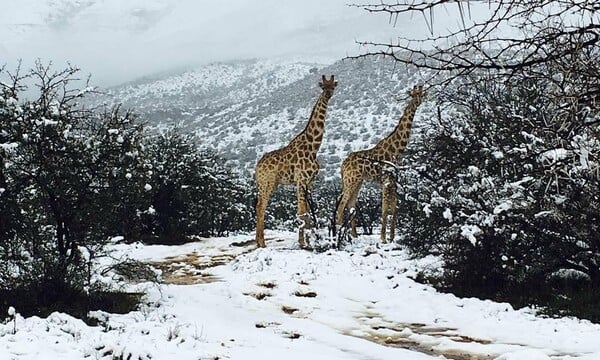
[[370, 165], [295, 163]]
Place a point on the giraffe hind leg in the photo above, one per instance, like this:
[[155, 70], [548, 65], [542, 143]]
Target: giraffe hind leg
[[303, 213], [388, 208], [393, 211], [347, 202], [384, 212], [352, 205]]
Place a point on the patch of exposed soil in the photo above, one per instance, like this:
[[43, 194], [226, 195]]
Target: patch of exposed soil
[[190, 269], [401, 335]]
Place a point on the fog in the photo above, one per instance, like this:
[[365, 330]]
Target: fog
[[117, 41]]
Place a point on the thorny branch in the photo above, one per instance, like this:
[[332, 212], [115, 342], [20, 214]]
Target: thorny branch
[[514, 36]]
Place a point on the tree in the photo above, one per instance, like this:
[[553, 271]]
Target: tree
[[514, 37], [513, 155], [70, 180], [492, 186], [511, 36]]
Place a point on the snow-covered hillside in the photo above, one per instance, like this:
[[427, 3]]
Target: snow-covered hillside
[[285, 302], [246, 108]]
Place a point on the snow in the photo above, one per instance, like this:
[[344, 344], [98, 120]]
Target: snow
[[469, 232], [554, 155], [360, 303], [503, 206], [46, 122], [8, 147], [447, 214], [11, 311], [474, 170], [525, 355], [85, 253], [116, 239], [498, 154], [427, 209]]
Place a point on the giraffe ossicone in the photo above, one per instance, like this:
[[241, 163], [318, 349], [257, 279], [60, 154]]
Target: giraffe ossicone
[[295, 164], [373, 165]]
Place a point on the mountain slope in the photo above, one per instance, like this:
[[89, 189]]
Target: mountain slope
[[246, 108]]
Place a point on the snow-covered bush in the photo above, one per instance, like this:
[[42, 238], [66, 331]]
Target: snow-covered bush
[[63, 185], [506, 187], [194, 192]]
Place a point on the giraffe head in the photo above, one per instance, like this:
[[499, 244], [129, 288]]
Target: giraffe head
[[417, 93], [328, 85]]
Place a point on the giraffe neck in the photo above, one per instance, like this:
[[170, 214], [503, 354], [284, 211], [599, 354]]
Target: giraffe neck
[[312, 135], [395, 143]]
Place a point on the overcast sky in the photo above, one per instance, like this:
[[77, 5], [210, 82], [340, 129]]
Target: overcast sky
[[118, 40]]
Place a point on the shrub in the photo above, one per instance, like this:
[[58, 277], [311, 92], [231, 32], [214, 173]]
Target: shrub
[[506, 188], [64, 189], [194, 192]]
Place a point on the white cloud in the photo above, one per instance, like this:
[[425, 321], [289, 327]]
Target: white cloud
[[119, 40]]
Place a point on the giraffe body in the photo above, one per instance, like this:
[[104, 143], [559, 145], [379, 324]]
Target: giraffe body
[[294, 164], [373, 164]]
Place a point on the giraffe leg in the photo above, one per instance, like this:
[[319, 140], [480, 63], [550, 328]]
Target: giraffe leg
[[388, 208], [265, 190], [393, 208], [341, 207], [303, 212], [352, 205], [384, 212], [347, 201]]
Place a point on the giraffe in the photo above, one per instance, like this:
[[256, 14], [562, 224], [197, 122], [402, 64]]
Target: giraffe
[[295, 163], [370, 165]]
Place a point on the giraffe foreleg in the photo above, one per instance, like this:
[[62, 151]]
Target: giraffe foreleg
[[265, 190]]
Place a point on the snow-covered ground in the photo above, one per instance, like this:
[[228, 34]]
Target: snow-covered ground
[[283, 302]]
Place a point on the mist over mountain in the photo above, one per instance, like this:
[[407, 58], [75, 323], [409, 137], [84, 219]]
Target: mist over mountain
[[117, 41]]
